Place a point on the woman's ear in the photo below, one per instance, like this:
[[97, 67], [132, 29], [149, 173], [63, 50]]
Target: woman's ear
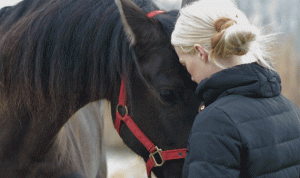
[[201, 51]]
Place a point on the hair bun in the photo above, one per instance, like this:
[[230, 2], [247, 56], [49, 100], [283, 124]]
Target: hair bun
[[240, 44], [234, 41], [223, 23], [220, 25]]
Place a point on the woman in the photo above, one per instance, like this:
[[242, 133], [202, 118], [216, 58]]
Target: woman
[[245, 126]]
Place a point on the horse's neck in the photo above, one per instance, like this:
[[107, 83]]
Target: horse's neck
[[40, 121], [79, 144]]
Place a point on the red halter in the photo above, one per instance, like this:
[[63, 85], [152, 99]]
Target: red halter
[[150, 146], [154, 13]]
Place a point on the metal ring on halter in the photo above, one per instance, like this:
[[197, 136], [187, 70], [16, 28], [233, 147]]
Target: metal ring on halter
[[125, 107], [155, 161]]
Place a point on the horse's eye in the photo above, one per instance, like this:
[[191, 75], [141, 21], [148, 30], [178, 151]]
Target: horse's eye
[[170, 96]]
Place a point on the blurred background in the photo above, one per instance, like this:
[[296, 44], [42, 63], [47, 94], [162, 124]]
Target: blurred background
[[278, 15]]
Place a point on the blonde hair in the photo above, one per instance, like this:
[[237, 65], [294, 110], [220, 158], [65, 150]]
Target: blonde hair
[[222, 30]]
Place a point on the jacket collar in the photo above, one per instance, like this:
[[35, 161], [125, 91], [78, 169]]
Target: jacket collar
[[250, 80]]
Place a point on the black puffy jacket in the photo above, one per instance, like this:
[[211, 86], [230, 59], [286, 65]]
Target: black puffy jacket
[[247, 129]]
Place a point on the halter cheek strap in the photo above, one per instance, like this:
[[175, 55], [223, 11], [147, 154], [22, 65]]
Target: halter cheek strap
[[154, 151]]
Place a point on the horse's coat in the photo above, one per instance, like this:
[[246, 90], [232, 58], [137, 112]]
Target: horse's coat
[[56, 56]]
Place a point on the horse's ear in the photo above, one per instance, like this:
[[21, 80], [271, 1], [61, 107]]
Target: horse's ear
[[134, 19]]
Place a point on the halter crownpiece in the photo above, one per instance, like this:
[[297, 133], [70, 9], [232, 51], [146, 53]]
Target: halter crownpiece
[[154, 13], [155, 151]]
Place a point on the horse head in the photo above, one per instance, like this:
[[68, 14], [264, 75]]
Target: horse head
[[58, 56], [161, 99]]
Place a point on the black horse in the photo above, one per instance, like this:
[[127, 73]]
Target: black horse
[[56, 56]]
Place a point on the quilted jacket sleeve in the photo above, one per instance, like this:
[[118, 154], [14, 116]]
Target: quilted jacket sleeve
[[214, 147]]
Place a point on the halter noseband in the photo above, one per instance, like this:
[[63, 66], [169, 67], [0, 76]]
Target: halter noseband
[[150, 146]]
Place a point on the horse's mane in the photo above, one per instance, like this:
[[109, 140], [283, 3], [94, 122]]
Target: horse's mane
[[63, 51], [57, 52]]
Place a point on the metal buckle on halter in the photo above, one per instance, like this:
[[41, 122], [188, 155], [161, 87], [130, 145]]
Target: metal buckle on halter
[[125, 107], [159, 153]]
